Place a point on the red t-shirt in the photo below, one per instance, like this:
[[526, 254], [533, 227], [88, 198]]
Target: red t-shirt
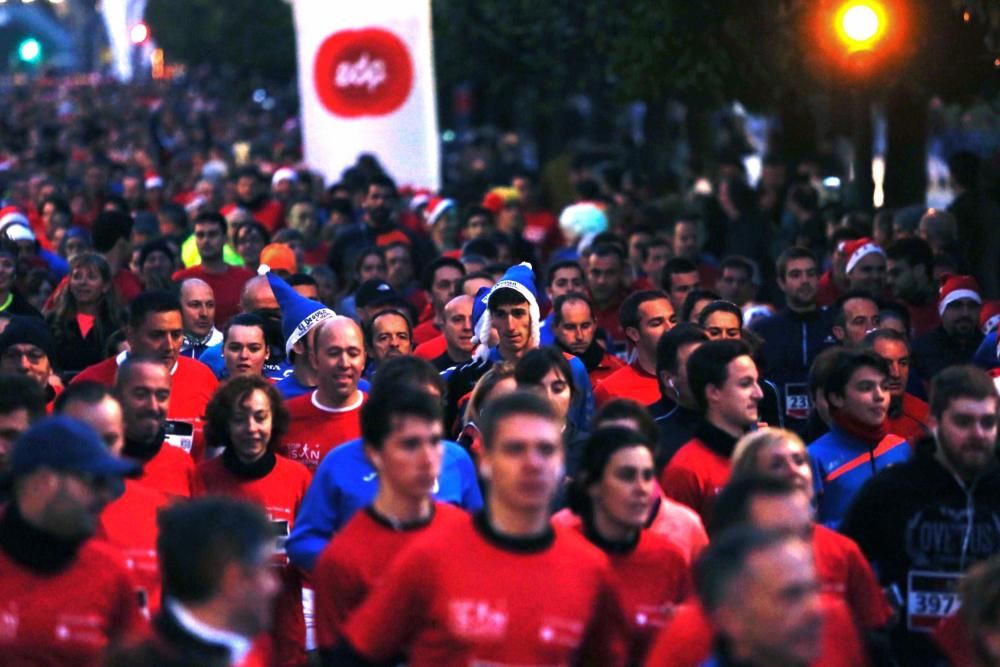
[[129, 523], [171, 471], [607, 319], [280, 494], [628, 382], [911, 423], [191, 389], [356, 559], [313, 429], [650, 581], [687, 639], [844, 572], [127, 284], [607, 367], [226, 286], [432, 349], [67, 618], [426, 331], [459, 597], [694, 477], [923, 319]]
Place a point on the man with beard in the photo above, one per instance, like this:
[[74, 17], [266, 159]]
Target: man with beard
[[65, 596], [907, 413], [924, 522], [250, 195], [225, 280], [377, 228], [575, 330], [958, 337], [388, 335], [911, 279], [143, 388], [795, 335], [865, 268]]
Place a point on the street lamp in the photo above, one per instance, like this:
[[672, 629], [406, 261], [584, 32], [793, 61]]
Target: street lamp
[[860, 24]]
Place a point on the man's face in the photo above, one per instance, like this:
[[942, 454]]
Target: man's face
[[967, 435], [145, 398], [390, 337], [246, 188], [524, 463], [686, 240], [897, 354], [302, 217], [513, 325], [27, 359], [774, 610], [210, 239], [604, 274], [478, 225], [866, 397], [443, 287], [901, 279], [399, 266], [734, 285], [861, 316], [409, 461], [960, 318], [198, 309], [245, 350], [656, 317], [656, 257], [567, 279], [12, 425], [160, 335], [339, 358], [800, 282], [378, 204], [737, 399], [680, 285], [637, 244], [457, 328], [251, 591], [868, 274], [105, 418], [576, 331], [74, 505]]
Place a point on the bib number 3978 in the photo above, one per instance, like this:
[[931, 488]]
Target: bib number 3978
[[932, 597]]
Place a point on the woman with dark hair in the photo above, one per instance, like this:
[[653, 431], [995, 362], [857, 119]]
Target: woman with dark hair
[[722, 320], [546, 370], [246, 419], [84, 314], [695, 302], [612, 494]]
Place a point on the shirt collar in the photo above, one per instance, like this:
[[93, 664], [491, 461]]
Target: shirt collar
[[237, 645]]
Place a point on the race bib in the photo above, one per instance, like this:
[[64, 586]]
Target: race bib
[[797, 403], [180, 434], [931, 597]]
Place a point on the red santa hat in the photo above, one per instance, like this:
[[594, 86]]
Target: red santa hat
[[9, 214], [989, 317], [153, 180], [955, 288], [436, 207], [859, 249]]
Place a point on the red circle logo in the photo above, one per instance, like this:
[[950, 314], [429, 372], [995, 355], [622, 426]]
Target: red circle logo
[[365, 72]]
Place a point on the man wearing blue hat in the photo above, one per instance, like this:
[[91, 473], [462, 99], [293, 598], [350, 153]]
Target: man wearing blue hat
[[63, 596], [511, 308]]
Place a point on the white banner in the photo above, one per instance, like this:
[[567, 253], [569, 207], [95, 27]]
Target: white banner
[[366, 85]]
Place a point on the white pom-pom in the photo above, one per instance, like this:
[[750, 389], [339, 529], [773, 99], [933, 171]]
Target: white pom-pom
[[262, 269]]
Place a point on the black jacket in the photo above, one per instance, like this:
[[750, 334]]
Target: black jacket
[[171, 646]]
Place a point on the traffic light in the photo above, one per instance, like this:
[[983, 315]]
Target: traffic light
[[29, 51], [860, 24]]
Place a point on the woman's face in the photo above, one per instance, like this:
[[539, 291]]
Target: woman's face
[[556, 389], [623, 494], [7, 271], [250, 427], [372, 268], [721, 325], [86, 285], [788, 462]]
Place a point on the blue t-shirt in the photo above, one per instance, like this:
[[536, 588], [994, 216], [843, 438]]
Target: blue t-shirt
[[346, 481]]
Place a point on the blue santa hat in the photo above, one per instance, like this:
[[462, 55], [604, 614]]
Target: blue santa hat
[[521, 279], [298, 314]]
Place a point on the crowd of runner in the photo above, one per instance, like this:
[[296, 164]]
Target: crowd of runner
[[250, 419]]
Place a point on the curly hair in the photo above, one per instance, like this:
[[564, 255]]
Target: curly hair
[[232, 393]]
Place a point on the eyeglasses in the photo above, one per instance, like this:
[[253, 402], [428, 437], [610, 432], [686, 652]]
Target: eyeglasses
[[14, 354]]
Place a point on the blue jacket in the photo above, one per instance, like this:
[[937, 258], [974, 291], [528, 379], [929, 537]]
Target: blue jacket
[[842, 464], [791, 342], [345, 482], [986, 355]]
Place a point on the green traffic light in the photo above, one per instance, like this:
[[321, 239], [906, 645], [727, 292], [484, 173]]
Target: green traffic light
[[30, 50]]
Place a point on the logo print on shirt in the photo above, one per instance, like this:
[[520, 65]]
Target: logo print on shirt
[[478, 619]]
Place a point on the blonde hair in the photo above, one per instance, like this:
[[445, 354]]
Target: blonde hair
[[744, 458]]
